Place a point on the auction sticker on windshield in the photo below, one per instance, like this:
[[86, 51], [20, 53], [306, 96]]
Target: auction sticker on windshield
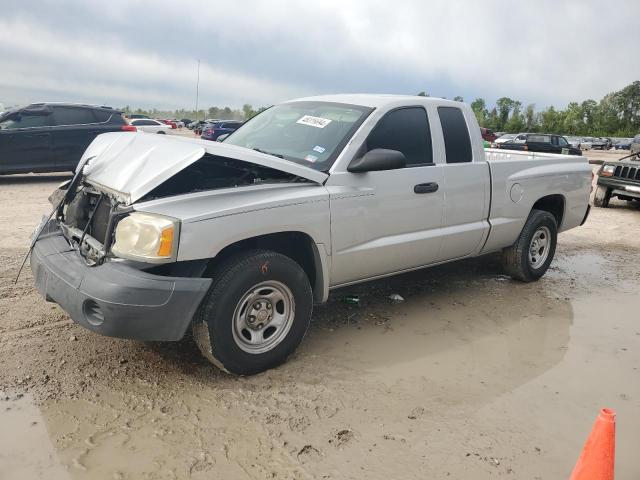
[[317, 122]]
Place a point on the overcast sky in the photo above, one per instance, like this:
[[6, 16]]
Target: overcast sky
[[144, 53]]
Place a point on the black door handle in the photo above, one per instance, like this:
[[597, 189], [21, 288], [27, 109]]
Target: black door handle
[[426, 187]]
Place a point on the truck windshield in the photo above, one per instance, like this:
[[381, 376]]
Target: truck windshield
[[309, 133]]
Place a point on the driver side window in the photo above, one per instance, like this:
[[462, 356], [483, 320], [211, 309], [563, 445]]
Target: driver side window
[[405, 130], [24, 121]]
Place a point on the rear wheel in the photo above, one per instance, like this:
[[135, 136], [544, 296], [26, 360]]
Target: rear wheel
[[529, 258], [255, 314], [601, 197]]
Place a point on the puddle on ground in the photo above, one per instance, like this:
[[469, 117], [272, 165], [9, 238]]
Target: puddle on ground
[[585, 264], [25, 449]]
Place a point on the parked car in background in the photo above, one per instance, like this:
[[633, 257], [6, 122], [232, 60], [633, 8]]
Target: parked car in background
[[205, 123], [599, 144], [586, 143], [136, 115], [51, 137], [488, 135], [149, 125], [505, 137], [574, 141], [634, 147], [540, 142], [619, 179], [623, 144], [186, 121], [214, 130], [171, 123], [308, 196]]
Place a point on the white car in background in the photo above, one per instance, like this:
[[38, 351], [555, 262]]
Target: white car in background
[[585, 143], [507, 137], [149, 125]]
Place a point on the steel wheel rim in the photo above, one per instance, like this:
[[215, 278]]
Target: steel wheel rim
[[263, 317], [539, 247]]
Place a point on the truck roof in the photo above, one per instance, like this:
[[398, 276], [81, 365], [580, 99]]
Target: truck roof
[[375, 100]]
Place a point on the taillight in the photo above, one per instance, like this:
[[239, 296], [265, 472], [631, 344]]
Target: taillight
[[209, 131], [525, 148], [128, 128]]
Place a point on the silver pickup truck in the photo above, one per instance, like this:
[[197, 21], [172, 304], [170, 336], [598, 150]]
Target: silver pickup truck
[[239, 239]]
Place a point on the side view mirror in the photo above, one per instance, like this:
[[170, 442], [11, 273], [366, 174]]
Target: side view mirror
[[378, 159], [222, 137]]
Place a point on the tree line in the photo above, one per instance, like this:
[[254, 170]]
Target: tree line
[[223, 113], [615, 115]]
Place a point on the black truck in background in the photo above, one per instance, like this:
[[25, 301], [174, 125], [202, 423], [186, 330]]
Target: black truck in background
[[540, 142], [51, 137]]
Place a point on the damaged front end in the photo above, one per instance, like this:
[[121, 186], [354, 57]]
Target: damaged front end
[[87, 218]]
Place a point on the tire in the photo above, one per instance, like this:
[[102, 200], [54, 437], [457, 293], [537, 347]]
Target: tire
[[224, 327], [519, 261], [601, 197]]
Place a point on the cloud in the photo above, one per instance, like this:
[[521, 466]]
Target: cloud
[[145, 53]]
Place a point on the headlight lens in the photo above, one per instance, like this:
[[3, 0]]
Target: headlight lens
[[608, 171], [146, 237]]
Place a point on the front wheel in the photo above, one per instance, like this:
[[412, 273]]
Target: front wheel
[[601, 197], [529, 258], [256, 313]]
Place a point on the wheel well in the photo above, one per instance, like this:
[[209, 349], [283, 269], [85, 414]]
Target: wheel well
[[554, 204], [298, 246]]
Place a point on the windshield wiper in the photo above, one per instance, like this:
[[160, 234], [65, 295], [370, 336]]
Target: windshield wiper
[[269, 153]]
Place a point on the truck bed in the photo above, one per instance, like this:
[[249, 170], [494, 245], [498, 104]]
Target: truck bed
[[519, 179]]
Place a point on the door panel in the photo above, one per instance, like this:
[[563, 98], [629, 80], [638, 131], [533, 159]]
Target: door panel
[[69, 143], [467, 184], [26, 150], [466, 208], [379, 225], [74, 129]]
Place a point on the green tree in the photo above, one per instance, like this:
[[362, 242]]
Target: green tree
[[458, 98], [530, 118], [504, 106], [423, 94], [492, 120], [479, 107], [515, 123]]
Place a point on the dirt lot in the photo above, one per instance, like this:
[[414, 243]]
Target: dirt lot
[[472, 376]]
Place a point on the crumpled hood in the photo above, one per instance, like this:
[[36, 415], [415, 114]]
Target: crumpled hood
[[130, 165]]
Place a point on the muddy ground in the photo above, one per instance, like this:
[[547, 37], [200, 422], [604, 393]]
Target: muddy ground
[[472, 376]]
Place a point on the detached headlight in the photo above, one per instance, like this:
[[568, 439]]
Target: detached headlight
[[147, 238], [608, 170]]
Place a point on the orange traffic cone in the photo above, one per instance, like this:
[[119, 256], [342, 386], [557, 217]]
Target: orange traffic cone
[[598, 454]]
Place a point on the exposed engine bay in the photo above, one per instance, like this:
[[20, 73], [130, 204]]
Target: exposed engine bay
[[213, 172], [88, 216]]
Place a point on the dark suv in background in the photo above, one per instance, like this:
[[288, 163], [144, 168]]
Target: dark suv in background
[[51, 137], [214, 130], [540, 142]]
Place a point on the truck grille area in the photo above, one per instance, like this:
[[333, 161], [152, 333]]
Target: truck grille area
[[629, 173], [86, 207]]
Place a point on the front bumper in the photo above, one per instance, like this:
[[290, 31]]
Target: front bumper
[[620, 187], [114, 299]]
